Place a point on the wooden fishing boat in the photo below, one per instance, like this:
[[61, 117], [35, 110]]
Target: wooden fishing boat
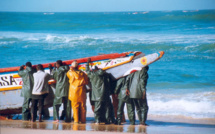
[[117, 65]]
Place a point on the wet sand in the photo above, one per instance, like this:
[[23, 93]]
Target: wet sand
[[161, 125]]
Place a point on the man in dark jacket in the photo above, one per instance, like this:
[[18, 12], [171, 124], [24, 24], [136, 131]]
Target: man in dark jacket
[[111, 84], [100, 93], [27, 86], [123, 97], [137, 88], [61, 92]]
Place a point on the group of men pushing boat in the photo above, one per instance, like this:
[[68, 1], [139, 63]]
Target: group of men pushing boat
[[72, 86]]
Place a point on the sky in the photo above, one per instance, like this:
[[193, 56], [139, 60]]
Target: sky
[[103, 5]]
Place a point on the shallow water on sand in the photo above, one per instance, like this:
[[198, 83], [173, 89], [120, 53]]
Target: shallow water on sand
[[89, 126], [155, 127]]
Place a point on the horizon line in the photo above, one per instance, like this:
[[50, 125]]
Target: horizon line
[[105, 11]]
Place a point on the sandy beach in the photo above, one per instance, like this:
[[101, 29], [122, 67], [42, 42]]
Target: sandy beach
[[157, 124]]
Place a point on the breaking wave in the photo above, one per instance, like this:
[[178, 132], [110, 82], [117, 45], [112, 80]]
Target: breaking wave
[[197, 43], [196, 105]]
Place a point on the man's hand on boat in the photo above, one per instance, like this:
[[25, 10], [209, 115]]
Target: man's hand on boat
[[55, 65], [50, 66], [22, 67], [89, 60]]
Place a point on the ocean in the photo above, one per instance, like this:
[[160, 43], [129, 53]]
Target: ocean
[[181, 83]]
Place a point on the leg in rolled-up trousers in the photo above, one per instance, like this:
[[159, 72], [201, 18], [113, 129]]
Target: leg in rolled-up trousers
[[34, 108]]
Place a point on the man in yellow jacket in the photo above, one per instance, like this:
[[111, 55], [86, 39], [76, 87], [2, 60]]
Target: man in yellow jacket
[[77, 92]]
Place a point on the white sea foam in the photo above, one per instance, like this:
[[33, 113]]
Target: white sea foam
[[136, 38], [32, 39], [197, 105], [191, 46], [65, 38], [211, 27], [168, 43], [50, 38], [6, 42], [204, 28], [26, 46]]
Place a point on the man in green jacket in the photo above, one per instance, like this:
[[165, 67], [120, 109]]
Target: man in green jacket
[[100, 93], [137, 88], [27, 86], [61, 92], [121, 91]]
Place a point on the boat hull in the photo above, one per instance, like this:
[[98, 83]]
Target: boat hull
[[11, 101]]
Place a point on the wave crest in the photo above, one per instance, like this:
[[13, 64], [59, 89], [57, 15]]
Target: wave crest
[[188, 44], [197, 105]]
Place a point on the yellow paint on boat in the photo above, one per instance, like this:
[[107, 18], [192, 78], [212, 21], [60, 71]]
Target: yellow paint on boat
[[16, 76], [143, 60], [10, 88], [20, 87]]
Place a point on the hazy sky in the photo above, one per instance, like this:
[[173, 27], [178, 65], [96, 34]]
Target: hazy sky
[[103, 5]]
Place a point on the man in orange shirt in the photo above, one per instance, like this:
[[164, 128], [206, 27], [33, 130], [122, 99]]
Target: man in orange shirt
[[77, 92]]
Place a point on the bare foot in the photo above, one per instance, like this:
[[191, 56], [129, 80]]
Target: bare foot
[[143, 124], [56, 121]]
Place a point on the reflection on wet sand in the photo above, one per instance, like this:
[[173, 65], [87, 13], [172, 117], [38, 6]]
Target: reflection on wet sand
[[90, 127], [48, 125]]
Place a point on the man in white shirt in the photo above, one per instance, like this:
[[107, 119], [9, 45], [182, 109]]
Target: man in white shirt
[[39, 92]]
